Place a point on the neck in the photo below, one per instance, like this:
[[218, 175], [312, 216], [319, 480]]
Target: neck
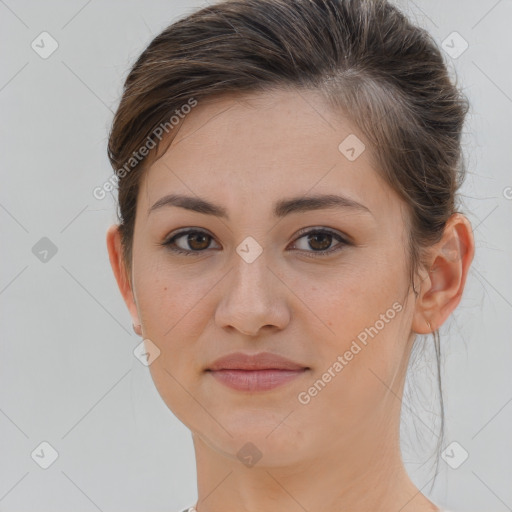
[[360, 476]]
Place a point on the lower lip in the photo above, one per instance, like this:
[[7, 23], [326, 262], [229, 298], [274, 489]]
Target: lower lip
[[255, 380]]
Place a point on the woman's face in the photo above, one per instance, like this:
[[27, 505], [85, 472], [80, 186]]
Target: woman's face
[[253, 281]]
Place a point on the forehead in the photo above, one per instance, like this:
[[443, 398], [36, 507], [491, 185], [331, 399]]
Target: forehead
[[255, 149]]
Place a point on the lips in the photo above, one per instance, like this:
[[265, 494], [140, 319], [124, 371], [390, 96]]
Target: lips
[[259, 372], [261, 361]]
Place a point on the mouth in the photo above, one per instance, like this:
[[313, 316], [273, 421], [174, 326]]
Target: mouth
[[255, 372], [256, 380], [261, 361]]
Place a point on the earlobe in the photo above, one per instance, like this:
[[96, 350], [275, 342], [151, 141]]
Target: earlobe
[[119, 269], [442, 288]]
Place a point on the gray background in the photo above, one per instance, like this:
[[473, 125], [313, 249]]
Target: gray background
[[68, 374]]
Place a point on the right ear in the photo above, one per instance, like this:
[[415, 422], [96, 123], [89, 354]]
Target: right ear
[[118, 265]]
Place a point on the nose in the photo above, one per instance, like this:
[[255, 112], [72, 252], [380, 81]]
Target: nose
[[253, 298]]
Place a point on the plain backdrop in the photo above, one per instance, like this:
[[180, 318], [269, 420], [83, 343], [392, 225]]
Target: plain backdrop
[[68, 375]]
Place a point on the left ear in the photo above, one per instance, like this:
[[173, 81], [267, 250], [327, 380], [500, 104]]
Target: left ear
[[442, 285]]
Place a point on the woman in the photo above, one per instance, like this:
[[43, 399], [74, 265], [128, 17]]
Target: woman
[[287, 174]]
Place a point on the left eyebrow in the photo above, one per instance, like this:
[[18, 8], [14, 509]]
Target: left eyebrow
[[318, 202], [281, 208]]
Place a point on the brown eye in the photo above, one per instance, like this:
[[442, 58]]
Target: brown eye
[[198, 241], [192, 241], [318, 242]]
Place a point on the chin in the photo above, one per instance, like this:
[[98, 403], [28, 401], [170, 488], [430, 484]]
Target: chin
[[275, 443]]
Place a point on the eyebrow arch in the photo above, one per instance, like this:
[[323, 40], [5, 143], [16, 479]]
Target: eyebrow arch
[[281, 208]]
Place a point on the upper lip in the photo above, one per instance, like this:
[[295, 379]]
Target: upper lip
[[261, 361]]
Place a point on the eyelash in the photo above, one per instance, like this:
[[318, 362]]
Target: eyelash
[[170, 243]]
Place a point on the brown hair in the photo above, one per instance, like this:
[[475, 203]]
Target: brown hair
[[366, 58]]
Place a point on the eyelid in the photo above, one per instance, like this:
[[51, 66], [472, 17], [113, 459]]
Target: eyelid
[[185, 231], [314, 229]]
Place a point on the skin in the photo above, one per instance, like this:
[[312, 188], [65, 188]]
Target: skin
[[340, 451]]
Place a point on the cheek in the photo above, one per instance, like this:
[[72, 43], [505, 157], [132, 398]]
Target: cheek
[[358, 357], [171, 305], [362, 312], [173, 316], [355, 296]]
